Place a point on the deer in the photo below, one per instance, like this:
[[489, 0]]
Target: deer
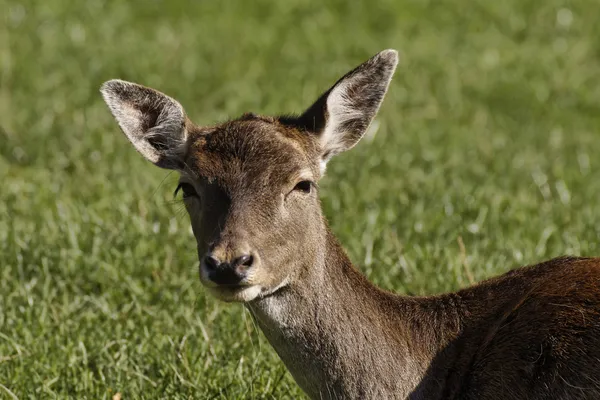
[[250, 188]]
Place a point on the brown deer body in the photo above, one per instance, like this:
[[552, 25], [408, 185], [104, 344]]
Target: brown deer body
[[249, 187]]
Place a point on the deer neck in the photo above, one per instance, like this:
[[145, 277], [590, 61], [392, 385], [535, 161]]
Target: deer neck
[[340, 336]]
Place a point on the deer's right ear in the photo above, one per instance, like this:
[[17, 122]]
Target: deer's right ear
[[153, 122]]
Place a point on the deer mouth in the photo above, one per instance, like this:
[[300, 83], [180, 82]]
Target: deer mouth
[[238, 291], [235, 293]]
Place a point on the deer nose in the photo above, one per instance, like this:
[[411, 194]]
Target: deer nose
[[226, 272]]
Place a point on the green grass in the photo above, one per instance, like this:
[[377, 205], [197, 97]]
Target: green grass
[[486, 158]]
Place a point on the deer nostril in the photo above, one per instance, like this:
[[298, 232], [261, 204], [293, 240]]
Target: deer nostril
[[211, 262], [246, 260]]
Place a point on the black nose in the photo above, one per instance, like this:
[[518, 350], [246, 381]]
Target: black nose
[[228, 273], [244, 261]]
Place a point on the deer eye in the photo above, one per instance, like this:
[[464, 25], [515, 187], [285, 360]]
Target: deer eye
[[303, 186], [187, 190]]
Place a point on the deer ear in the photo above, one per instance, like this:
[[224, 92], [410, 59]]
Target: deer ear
[[153, 122], [341, 116]]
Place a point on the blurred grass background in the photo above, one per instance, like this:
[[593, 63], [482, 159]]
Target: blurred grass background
[[485, 159]]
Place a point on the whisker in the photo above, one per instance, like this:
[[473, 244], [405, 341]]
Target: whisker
[[161, 183]]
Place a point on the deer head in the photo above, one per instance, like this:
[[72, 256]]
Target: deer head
[[250, 184]]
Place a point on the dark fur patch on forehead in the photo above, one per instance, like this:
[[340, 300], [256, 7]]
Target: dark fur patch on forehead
[[252, 149], [250, 116]]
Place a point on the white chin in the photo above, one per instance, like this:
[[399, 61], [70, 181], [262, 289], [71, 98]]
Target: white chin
[[240, 294]]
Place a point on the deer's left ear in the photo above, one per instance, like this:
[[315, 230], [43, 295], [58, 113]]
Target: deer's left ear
[[341, 116], [153, 122]]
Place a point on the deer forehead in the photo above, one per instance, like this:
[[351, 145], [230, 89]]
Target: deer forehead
[[259, 151]]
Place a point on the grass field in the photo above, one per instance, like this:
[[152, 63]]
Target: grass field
[[486, 158]]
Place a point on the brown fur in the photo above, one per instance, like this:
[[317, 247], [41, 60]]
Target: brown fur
[[533, 333]]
